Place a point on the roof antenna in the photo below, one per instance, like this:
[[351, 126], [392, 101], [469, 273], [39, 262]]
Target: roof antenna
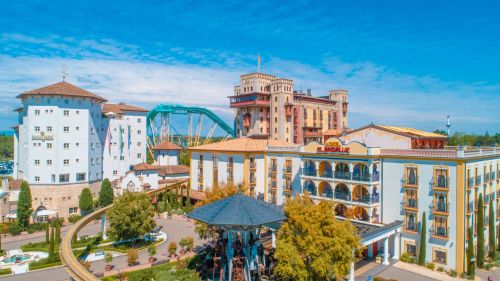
[[448, 125], [64, 73]]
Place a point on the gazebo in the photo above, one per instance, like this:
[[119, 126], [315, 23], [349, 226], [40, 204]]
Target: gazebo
[[239, 215]]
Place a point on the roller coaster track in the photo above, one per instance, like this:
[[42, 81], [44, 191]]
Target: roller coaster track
[[76, 270]]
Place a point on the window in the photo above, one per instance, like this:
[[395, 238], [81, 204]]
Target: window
[[123, 158], [139, 156], [37, 178], [410, 221], [139, 143], [66, 129], [411, 177], [80, 176], [77, 128], [66, 161], [78, 112], [49, 145], [439, 256], [66, 101], [37, 112], [92, 131], [37, 162], [115, 172], [64, 178], [139, 132], [66, 145], [66, 112], [77, 144], [411, 249], [77, 160], [91, 146], [139, 120], [91, 161], [37, 129], [49, 128], [49, 162], [73, 210]]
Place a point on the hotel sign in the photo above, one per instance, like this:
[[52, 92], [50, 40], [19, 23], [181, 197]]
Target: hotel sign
[[333, 146], [42, 136]]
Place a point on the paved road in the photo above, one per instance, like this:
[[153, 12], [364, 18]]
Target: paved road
[[175, 228], [399, 274]]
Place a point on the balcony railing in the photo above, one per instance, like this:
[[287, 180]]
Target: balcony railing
[[440, 231], [470, 207], [470, 182], [327, 194], [486, 177], [342, 175], [478, 179], [253, 165], [361, 177], [274, 168], [367, 199], [288, 170], [327, 174], [411, 203], [441, 182], [410, 226], [343, 196], [310, 172], [411, 180], [441, 207], [492, 176]]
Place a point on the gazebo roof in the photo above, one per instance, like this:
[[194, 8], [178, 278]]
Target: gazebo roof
[[238, 211]]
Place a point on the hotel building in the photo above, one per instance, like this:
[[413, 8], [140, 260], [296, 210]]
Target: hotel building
[[69, 139], [383, 178], [268, 107]]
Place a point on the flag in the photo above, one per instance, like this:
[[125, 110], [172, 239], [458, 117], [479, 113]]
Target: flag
[[129, 140]]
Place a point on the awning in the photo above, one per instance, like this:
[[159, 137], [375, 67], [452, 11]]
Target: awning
[[11, 216], [46, 213]]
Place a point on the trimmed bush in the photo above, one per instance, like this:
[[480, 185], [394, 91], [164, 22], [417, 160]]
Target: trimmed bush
[[172, 248], [14, 229], [405, 257], [452, 273], [440, 269], [37, 227], [430, 265], [74, 218], [5, 271], [132, 257], [488, 266]]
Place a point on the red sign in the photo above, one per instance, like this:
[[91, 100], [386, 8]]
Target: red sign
[[333, 147]]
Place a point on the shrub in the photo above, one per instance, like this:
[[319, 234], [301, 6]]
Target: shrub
[[132, 257], [452, 273], [5, 271], [74, 218], [488, 266], [430, 265], [189, 243], [440, 269], [37, 227], [15, 228], [108, 258], [143, 275], [405, 257], [151, 250], [172, 248]]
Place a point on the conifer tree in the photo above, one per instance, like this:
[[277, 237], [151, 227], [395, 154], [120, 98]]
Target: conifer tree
[[188, 202], [423, 240], [480, 232], [106, 193], [58, 232], [86, 203], [47, 234], [491, 233], [471, 268], [51, 245]]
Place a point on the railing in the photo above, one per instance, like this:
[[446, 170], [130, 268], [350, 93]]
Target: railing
[[470, 182], [327, 174], [342, 175], [440, 231], [492, 178], [411, 203], [327, 194], [361, 177], [470, 207], [42, 136], [288, 170], [310, 172], [441, 182], [478, 179], [367, 199], [410, 226], [411, 180], [343, 196], [487, 177], [274, 169], [441, 207]]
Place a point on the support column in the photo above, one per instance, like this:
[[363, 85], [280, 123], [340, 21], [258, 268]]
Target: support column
[[386, 251], [397, 244], [370, 251], [273, 239], [316, 163], [351, 270]]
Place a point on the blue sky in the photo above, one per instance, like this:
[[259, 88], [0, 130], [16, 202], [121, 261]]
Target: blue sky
[[403, 63]]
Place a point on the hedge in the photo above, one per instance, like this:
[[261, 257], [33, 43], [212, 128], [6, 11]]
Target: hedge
[[42, 266], [5, 271]]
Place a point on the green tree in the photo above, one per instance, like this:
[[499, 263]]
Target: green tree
[[52, 244], [471, 268], [132, 215], [86, 202], [184, 157], [423, 241], [480, 232], [24, 209], [188, 200], [58, 233], [331, 253], [491, 233], [106, 193]]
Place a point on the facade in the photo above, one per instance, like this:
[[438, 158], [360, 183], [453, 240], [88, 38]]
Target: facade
[[68, 139], [268, 107], [374, 187]]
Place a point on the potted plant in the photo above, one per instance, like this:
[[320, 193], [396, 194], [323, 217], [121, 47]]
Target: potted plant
[[172, 249], [132, 257], [108, 258], [151, 253]]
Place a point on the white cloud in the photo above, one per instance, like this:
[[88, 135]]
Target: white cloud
[[117, 72]]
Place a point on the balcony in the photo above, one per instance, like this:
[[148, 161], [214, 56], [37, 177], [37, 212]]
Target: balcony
[[288, 170], [327, 194], [486, 177], [250, 100], [410, 226], [361, 177], [441, 208], [478, 180], [274, 169], [343, 196], [411, 203], [309, 172], [470, 182], [342, 175], [367, 199], [441, 183], [411, 181], [440, 232], [253, 166], [470, 208], [327, 174], [274, 185], [42, 136]]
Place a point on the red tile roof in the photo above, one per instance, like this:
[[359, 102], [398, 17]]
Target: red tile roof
[[144, 167], [121, 108], [166, 145], [165, 170], [14, 184], [62, 89]]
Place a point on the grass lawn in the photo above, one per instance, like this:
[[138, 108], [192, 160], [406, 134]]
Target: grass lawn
[[38, 247], [164, 272]]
